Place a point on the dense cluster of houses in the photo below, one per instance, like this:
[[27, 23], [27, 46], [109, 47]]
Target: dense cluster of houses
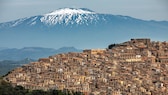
[[135, 67]]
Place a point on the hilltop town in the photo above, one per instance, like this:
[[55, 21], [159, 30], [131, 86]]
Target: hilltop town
[[135, 67]]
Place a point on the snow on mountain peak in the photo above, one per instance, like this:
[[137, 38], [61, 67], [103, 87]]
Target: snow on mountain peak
[[66, 11], [69, 16]]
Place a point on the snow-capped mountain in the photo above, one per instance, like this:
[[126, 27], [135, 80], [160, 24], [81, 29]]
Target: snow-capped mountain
[[65, 17], [79, 18], [77, 24], [69, 16]]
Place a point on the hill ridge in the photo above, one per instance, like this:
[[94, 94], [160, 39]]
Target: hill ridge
[[135, 66]]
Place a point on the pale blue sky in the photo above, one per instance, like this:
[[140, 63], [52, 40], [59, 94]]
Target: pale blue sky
[[142, 9]]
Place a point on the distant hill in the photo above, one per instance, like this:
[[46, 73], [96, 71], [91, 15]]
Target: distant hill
[[9, 65], [71, 27], [32, 52], [13, 58]]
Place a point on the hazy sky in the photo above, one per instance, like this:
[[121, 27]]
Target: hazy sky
[[142, 9]]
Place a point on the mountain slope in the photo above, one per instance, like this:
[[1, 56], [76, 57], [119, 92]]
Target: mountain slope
[[72, 26], [9, 65], [32, 52], [78, 18]]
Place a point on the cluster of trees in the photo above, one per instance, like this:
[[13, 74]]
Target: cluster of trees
[[7, 89]]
